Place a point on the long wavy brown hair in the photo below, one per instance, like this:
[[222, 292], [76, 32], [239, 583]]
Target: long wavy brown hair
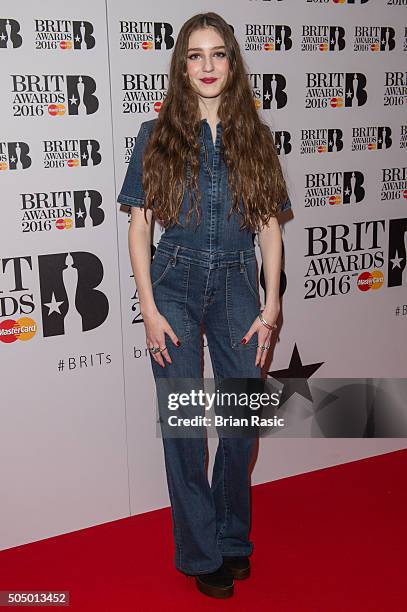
[[255, 176]]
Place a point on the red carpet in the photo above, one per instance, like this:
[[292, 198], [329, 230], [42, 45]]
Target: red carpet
[[333, 540]]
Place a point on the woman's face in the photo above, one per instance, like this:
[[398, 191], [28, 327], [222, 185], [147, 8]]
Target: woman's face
[[207, 64]]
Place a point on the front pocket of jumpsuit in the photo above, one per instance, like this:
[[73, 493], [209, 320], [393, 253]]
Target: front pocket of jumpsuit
[[242, 304], [170, 284], [251, 277], [160, 267]]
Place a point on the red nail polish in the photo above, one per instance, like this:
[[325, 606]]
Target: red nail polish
[[178, 343], [243, 341]]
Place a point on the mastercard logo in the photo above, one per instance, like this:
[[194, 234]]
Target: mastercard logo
[[22, 329], [65, 44], [147, 45], [268, 46], [157, 106], [257, 103], [56, 110], [335, 199], [371, 146], [64, 223], [374, 47], [72, 163], [321, 149], [336, 102], [3, 165], [323, 47], [339, 1], [370, 280], [405, 194]]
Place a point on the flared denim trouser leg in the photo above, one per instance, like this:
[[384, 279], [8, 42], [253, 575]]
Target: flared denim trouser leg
[[219, 291]]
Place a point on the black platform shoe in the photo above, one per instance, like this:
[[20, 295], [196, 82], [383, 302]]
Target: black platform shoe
[[239, 567], [216, 584]]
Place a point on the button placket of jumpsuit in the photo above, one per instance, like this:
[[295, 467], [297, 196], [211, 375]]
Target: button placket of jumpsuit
[[214, 174]]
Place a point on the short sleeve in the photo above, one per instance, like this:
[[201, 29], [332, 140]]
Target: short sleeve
[[286, 205], [132, 193]]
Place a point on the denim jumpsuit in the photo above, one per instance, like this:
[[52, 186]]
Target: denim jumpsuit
[[205, 277]]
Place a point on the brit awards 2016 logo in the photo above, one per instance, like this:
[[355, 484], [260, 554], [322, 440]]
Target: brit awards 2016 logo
[[14, 156], [146, 35], [282, 140], [335, 89], [322, 38], [61, 210], [393, 184], [371, 138], [333, 188], [395, 88], [321, 140], [10, 37], [403, 137], [71, 153], [374, 38], [63, 34], [267, 37], [53, 94], [341, 258], [269, 90], [143, 93], [70, 299], [129, 142]]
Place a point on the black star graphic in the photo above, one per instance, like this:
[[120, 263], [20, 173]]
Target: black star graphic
[[297, 373]]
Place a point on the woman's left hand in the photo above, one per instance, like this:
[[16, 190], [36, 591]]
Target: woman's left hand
[[263, 333]]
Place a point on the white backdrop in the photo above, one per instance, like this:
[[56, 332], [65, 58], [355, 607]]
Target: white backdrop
[[78, 433]]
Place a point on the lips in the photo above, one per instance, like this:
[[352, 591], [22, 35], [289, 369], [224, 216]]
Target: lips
[[208, 81]]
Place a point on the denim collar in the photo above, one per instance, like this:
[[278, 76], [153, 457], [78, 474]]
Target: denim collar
[[219, 123], [205, 129]]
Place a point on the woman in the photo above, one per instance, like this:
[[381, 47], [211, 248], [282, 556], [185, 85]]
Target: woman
[[207, 169]]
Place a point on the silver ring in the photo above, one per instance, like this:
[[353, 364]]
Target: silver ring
[[154, 349], [263, 347]]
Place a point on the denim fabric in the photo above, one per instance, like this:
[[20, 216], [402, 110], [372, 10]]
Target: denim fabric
[[217, 292], [205, 279], [215, 231]]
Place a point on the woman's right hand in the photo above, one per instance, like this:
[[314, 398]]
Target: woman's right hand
[[156, 326]]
